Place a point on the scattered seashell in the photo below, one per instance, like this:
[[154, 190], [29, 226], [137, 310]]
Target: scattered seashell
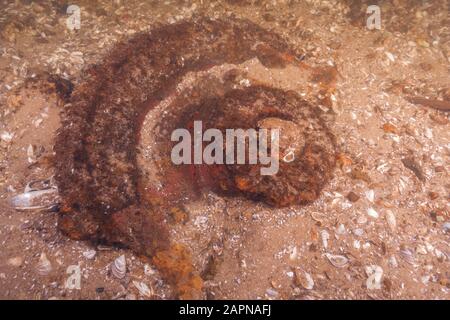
[[374, 273], [38, 122], [356, 244], [30, 154], [143, 289], [429, 133], [272, 293], [390, 56], [290, 155], [90, 254], [303, 279], [425, 279], [393, 262], [408, 256], [325, 237], [7, 136], [391, 221], [358, 232], [36, 199], [421, 249], [15, 262], [44, 266], [440, 255], [370, 195], [446, 226], [337, 260], [361, 220], [341, 229], [317, 216], [119, 267], [371, 212], [293, 253]]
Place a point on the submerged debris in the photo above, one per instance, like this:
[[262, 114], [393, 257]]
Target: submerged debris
[[104, 202]]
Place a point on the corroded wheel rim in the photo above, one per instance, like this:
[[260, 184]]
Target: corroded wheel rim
[[96, 156]]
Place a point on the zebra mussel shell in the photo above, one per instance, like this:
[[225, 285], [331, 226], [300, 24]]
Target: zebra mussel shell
[[44, 266], [119, 267]]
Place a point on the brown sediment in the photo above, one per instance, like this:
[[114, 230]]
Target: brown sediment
[[96, 149]]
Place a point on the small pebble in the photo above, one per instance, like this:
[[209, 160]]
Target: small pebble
[[353, 197]]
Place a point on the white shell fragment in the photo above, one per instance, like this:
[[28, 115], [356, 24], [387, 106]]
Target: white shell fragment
[[271, 293], [408, 256], [393, 262], [341, 229], [6, 136], [90, 254], [44, 266], [390, 56], [143, 289], [305, 280], [293, 253], [325, 237], [421, 249], [374, 273], [370, 195], [391, 221], [119, 267], [337, 260], [30, 154], [33, 200], [289, 156], [372, 213]]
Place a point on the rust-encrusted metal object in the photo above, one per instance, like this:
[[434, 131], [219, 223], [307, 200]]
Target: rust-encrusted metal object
[[98, 177]]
